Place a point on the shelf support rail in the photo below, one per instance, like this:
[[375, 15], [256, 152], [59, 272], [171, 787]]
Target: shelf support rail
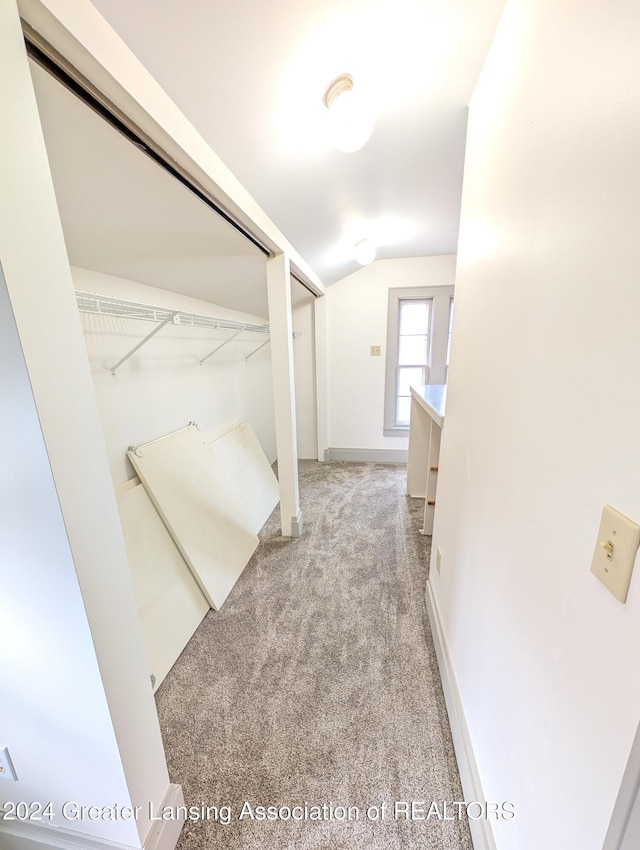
[[222, 345], [159, 327], [294, 335], [255, 350]]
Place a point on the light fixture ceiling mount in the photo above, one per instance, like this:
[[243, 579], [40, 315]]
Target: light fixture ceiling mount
[[342, 83]]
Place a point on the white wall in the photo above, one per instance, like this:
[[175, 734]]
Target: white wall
[[77, 711], [356, 320], [54, 716], [543, 418], [163, 387]]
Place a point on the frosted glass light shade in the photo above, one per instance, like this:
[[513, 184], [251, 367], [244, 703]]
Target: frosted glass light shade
[[350, 120], [350, 125], [364, 252]]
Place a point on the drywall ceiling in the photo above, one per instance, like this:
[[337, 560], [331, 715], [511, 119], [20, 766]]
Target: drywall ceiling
[[250, 76], [123, 215]]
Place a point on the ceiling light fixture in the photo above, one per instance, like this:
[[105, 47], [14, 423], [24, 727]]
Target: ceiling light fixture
[[364, 252], [350, 120]]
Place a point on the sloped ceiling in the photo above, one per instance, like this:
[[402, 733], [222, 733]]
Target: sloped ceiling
[[250, 76], [123, 215]]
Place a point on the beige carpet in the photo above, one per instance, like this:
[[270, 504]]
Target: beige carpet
[[315, 689]]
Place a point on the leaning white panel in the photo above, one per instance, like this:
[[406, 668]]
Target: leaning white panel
[[194, 498], [170, 603], [254, 484]]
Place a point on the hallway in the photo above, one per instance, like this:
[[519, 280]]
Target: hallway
[[316, 686]]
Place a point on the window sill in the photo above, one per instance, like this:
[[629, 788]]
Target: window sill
[[396, 431]]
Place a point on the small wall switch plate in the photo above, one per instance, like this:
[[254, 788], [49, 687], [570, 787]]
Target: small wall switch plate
[[616, 549], [7, 770], [375, 351], [438, 558]]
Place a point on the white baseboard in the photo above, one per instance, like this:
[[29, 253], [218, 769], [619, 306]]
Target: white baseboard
[[624, 827], [481, 832], [366, 455], [32, 835], [297, 524], [164, 834], [28, 835]]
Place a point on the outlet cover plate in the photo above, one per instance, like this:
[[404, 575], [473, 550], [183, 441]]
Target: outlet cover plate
[[7, 770], [615, 553]]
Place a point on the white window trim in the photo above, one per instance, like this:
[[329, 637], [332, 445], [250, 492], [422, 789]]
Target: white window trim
[[440, 297]]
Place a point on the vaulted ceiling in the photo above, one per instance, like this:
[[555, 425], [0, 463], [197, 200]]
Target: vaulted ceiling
[[250, 77], [124, 215]]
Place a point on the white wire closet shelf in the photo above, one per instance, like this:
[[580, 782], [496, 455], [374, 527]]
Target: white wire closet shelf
[[105, 305]]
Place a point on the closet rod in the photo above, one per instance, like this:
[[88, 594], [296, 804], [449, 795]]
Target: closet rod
[[104, 305]]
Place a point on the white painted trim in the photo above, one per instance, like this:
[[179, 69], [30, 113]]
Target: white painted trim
[[366, 455], [123, 488], [32, 835], [624, 826], [396, 431], [481, 832], [284, 390], [297, 524], [27, 835], [164, 834], [320, 327]]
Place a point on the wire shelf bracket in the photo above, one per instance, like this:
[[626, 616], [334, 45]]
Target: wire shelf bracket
[[159, 327], [256, 350], [222, 345], [294, 336]]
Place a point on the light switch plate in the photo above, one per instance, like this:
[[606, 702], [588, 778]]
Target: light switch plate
[[616, 549]]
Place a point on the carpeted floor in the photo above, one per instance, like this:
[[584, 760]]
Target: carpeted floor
[[317, 684]]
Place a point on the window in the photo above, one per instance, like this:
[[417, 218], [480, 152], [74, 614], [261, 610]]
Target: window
[[414, 324], [418, 340]]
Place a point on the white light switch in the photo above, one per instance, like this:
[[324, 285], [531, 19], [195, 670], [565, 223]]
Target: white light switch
[[616, 548]]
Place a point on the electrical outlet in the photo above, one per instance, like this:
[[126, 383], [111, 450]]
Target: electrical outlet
[[438, 558], [7, 770], [375, 351]]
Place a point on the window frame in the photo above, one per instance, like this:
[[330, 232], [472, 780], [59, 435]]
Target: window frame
[[441, 299]]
